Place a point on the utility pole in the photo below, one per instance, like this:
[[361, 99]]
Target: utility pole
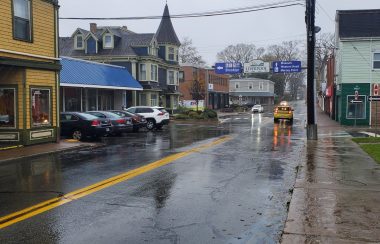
[[312, 132]]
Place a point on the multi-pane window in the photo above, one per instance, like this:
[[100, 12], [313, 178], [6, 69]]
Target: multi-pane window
[[376, 60], [79, 42], [171, 54], [142, 72], [7, 108], [171, 80], [108, 41], [154, 72], [153, 100], [22, 28], [236, 85], [40, 107]]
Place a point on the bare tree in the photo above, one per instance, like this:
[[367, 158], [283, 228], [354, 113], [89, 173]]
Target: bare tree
[[324, 48], [189, 54], [197, 91], [243, 53]]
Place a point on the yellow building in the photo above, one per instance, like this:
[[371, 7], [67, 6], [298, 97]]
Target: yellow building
[[29, 72]]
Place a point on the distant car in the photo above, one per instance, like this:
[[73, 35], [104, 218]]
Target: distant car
[[81, 125], [119, 124], [283, 111], [138, 121], [257, 109], [156, 117]]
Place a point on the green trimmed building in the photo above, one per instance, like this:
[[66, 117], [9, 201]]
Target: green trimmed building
[[357, 66]]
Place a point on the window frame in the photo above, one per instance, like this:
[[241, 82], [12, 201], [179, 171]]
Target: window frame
[[375, 60], [250, 86], [168, 80], [362, 98], [140, 72], [30, 39], [50, 89], [155, 77], [104, 41], [76, 42], [237, 85], [169, 53], [15, 98]]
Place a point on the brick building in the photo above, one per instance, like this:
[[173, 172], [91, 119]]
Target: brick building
[[215, 86]]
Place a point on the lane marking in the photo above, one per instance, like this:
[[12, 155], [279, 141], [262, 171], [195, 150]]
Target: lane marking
[[34, 210]]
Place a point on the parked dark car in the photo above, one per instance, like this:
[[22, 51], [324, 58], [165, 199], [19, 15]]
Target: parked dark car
[[138, 120], [81, 125], [119, 124]]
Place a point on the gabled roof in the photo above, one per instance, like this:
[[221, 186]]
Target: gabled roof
[[82, 31], [358, 23], [165, 32], [81, 73]]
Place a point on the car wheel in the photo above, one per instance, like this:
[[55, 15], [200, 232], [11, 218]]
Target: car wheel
[[77, 135], [291, 121], [150, 124], [275, 120]]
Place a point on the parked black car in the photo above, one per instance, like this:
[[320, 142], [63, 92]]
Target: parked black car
[[137, 120], [120, 124], [81, 125]]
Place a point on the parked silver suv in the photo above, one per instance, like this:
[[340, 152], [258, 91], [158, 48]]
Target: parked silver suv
[[156, 117]]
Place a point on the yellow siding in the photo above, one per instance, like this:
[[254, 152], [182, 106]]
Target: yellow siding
[[13, 76], [43, 29], [43, 79]]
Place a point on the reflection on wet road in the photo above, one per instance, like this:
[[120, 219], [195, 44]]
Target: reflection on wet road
[[235, 192]]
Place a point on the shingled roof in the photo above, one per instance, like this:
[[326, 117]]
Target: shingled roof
[[123, 47], [165, 32]]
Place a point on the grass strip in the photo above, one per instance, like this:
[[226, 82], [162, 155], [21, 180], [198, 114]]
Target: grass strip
[[373, 150], [366, 140]]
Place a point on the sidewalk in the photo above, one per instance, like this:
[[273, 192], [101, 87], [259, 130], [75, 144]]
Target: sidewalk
[[41, 149], [336, 198]]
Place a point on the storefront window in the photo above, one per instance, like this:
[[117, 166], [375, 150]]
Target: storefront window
[[72, 99], [91, 98], [40, 107], [7, 107], [356, 110]]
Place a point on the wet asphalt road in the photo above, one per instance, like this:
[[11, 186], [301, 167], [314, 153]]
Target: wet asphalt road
[[234, 192]]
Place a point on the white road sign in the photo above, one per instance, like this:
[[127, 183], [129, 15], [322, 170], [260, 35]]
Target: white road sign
[[256, 66]]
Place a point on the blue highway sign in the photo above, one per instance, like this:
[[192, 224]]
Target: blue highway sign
[[286, 66], [228, 68]]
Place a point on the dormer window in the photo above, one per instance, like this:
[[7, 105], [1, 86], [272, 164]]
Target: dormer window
[[108, 41], [79, 45]]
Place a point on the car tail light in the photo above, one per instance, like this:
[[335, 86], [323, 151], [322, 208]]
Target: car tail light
[[276, 110], [95, 123], [160, 114], [120, 121], [135, 119], [290, 111]]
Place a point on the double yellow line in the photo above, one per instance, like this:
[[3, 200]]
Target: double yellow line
[[75, 195]]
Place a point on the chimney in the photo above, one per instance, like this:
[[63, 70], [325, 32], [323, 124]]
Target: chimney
[[93, 27], [124, 28]]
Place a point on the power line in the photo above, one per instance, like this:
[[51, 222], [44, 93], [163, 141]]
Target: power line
[[284, 4], [327, 14]]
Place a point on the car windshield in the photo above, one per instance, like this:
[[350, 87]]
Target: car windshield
[[257, 106]]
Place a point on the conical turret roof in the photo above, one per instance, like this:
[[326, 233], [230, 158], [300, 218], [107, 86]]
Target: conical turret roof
[[166, 32]]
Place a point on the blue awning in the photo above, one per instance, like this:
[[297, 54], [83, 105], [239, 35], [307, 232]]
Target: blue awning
[[82, 73]]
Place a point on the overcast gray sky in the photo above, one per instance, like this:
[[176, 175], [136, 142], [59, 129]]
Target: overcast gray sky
[[210, 34]]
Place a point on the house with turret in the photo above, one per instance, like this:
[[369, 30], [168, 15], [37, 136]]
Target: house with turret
[[151, 58]]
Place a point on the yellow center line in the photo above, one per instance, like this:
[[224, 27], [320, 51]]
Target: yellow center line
[[77, 194]]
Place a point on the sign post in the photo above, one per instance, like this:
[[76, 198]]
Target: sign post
[[286, 66], [228, 68]]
